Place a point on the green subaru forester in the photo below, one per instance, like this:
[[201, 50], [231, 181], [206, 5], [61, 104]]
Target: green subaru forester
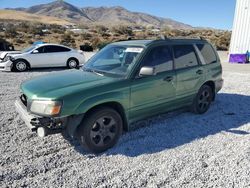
[[123, 83]]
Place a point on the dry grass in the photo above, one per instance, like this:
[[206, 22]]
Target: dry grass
[[18, 15]]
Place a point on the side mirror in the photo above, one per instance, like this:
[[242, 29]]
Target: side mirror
[[35, 52], [147, 71]]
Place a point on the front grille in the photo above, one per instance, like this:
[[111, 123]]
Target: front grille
[[24, 99]]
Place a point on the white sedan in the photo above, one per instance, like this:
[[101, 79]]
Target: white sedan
[[43, 55]]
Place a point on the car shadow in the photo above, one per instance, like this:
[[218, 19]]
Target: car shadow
[[227, 114]]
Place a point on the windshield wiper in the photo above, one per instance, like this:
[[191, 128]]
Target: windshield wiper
[[100, 73]]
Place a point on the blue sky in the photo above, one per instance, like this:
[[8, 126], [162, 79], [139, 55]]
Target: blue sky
[[207, 13]]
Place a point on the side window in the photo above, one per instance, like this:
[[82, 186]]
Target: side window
[[40, 50], [159, 57], [184, 56], [48, 49], [207, 52], [61, 49], [52, 49]]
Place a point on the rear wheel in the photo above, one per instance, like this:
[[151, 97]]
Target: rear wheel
[[72, 63], [202, 100], [20, 65], [100, 130]]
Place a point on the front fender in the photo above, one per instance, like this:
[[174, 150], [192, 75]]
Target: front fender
[[117, 97]]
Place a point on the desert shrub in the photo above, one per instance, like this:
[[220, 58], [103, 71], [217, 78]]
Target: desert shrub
[[19, 41], [97, 43], [10, 31], [122, 30], [36, 31], [58, 31], [105, 35], [101, 29], [30, 41], [67, 39], [86, 36]]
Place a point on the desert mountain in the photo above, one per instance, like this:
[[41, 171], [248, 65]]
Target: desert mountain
[[101, 15], [59, 9], [24, 16]]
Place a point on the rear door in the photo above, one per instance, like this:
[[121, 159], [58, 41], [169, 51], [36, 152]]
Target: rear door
[[189, 72], [57, 56], [152, 94]]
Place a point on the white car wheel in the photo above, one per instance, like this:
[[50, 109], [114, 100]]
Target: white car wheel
[[72, 63], [21, 66]]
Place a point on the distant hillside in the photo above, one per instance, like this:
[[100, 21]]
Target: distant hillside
[[119, 15], [101, 15], [18, 15], [61, 10]]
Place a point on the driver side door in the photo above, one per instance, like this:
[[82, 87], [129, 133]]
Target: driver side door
[[153, 94], [36, 57]]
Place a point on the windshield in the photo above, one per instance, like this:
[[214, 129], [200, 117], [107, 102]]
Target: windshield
[[29, 49], [116, 60]]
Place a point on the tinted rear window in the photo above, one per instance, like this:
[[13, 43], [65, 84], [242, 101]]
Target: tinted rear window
[[185, 56], [208, 53], [51, 49]]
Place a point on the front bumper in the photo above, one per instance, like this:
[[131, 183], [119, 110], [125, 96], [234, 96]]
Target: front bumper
[[33, 122], [24, 114], [52, 125], [6, 66]]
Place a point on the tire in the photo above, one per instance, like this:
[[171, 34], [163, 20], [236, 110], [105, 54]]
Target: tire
[[100, 130], [203, 100], [20, 65], [72, 63]]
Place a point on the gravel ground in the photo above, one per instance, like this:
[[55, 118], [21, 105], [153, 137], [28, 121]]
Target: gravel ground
[[173, 150]]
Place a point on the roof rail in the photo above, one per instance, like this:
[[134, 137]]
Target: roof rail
[[163, 37]]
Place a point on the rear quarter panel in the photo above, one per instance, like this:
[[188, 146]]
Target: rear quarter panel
[[214, 72]]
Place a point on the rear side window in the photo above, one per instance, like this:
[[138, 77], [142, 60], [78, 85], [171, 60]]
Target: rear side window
[[52, 49], [185, 56], [207, 52], [160, 58]]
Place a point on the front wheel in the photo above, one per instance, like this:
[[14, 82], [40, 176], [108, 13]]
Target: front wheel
[[20, 66], [100, 130], [202, 100]]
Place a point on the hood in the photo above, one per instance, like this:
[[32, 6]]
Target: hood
[[4, 54], [54, 86]]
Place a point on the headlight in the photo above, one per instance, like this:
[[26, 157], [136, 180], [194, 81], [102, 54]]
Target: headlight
[[50, 108], [7, 58]]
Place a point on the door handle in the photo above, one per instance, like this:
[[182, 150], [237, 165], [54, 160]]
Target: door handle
[[168, 78], [199, 72]]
